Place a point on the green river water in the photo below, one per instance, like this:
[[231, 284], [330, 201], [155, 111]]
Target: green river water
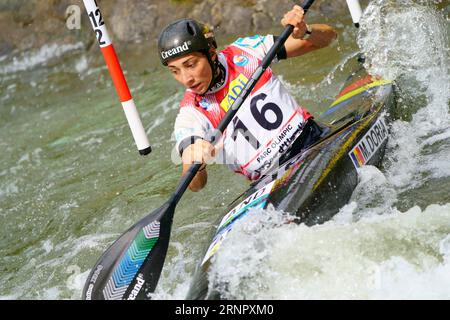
[[71, 180]]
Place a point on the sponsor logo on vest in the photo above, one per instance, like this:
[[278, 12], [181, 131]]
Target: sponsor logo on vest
[[236, 86], [180, 49], [279, 140], [369, 144], [241, 60], [278, 146], [137, 287], [283, 140], [252, 42], [205, 104]]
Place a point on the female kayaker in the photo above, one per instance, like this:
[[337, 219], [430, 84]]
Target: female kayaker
[[267, 125]]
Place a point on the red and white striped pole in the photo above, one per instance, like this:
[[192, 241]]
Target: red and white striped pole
[[355, 11], [131, 112]]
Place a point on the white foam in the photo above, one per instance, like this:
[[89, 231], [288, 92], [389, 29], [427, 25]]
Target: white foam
[[422, 73], [92, 143], [345, 214], [47, 246], [76, 247], [174, 282], [82, 64], [32, 59], [397, 256], [437, 138], [444, 248], [374, 194], [388, 30], [10, 297], [77, 280], [51, 293], [8, 189]]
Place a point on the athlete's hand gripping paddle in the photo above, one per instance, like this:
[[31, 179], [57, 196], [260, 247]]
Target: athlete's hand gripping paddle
[[130, 268], [118, 77]]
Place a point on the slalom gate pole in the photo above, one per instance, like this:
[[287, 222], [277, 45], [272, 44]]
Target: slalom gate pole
[[129, 107], [355, 11]]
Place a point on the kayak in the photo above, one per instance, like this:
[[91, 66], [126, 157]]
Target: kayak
[[315, 183]]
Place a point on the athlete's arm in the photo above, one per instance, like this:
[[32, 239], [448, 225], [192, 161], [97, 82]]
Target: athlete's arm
[[321, 34], [190, 130], [199, 151]]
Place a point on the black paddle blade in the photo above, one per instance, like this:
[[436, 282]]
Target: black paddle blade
[[131, 267]]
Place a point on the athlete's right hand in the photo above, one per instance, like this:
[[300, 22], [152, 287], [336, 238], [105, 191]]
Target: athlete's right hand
[[296, 18], [200, 151]]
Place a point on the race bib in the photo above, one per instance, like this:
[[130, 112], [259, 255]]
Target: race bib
[[264, 127]]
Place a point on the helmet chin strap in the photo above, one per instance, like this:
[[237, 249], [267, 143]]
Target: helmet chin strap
[[214, 64]]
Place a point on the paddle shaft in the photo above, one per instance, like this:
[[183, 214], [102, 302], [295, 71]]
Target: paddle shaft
[[190, 175]]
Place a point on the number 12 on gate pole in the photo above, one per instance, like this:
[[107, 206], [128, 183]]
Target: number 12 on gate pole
[[131, 112]]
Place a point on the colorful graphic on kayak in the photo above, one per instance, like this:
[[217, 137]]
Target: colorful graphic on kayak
[[284, 179], [241, 60], [355, 91], [256, 200], [369, 144]]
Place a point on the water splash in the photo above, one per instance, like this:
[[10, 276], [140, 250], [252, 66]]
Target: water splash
[[374, 258], [403, 37], [29, 60], [410, 44], [371, 249]]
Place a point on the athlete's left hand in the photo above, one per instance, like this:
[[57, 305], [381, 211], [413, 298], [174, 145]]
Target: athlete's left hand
[[296, 18]]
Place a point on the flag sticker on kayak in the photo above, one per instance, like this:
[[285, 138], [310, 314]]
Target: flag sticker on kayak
[[357, 157], [369, 144]]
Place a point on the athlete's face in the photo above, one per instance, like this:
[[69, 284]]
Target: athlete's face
[[192, 71]]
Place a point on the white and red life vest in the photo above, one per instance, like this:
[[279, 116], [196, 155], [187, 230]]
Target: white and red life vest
[[265, 125]]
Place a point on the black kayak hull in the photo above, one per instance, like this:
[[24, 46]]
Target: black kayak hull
[[315, 184]]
